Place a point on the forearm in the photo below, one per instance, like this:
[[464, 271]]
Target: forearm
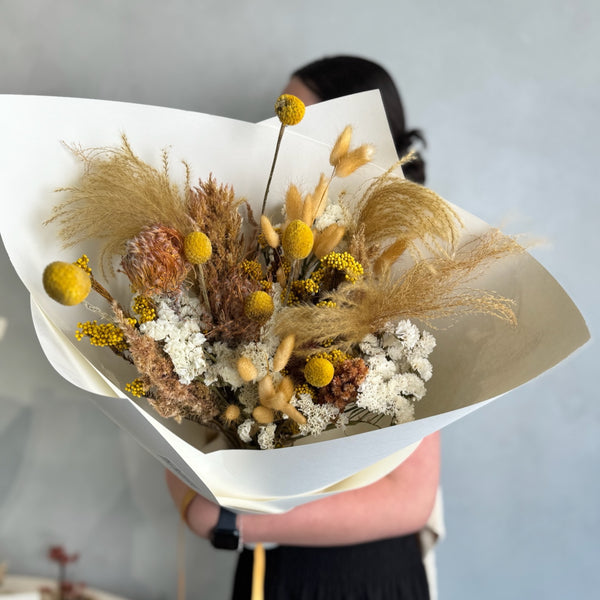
[[397, 504]]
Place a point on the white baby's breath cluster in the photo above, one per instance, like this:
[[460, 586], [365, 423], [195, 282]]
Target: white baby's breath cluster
[[398, 369]]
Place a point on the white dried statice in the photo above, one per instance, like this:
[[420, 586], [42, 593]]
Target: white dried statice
[[407, 333], [318, 416], [422, 366], [178, 326], [398, 368], [369, 345], [404, 410], [266, 436], [244, 430], [342, 421]]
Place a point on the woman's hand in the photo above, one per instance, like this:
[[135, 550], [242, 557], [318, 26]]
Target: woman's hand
[[201, 514]]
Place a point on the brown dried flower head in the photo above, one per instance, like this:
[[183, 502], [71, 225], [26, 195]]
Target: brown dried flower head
[[154, 260]]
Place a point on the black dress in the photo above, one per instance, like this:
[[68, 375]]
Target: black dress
[[390, 569]]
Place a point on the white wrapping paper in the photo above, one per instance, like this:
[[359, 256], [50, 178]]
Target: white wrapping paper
[[475, 361]]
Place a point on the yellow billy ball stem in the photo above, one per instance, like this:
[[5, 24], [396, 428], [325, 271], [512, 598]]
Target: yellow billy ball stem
[[318, 372], [67, 283], [259, 306], [289, 109], [197, 248], [298, 240]]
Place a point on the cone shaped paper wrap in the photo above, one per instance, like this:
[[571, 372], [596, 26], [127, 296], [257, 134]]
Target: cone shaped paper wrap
[[476, 360]]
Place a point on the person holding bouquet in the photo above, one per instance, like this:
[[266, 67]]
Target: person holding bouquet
[[362, 543]]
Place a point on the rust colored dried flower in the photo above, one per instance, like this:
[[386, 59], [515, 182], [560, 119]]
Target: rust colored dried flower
[[154, 260], [344, 385]]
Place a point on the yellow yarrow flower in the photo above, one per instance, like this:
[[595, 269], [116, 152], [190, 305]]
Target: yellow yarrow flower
[[304, 388], [318, 371], [144, 307], [102, 334], [305, 287], [259, 306], [335, 356], [67, 283], [289, 109], [136, 388], [197, 247], [252, 268], [345, 262], [326, 304], [83, 263], [297, 241]]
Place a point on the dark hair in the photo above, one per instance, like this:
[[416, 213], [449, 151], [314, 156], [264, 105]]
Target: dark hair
[[335, 76]]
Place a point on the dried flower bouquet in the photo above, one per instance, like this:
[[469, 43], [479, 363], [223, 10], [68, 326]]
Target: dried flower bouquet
[[233, 320], [271, 329]]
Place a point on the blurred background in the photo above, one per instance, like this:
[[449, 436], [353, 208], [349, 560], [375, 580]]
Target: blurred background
[[508, 96]]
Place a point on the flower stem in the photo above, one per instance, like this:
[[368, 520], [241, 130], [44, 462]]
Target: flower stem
[[264, 204]]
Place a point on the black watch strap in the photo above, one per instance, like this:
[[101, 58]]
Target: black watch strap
[[225, 534]]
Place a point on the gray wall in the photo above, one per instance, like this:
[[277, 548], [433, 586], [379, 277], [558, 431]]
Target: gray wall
[[508, 94]]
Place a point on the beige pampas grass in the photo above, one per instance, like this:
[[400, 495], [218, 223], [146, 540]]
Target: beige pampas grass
[[431, 289], [398, 214], [117, 196]]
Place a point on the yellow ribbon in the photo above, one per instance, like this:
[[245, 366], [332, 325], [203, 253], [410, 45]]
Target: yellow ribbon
[[259, 556], [258, 573], [185, 503]]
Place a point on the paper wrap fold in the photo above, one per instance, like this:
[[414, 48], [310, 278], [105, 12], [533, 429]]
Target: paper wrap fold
[[476, 360]]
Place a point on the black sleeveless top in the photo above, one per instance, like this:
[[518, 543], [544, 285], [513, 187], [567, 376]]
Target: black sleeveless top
[[390, 569]]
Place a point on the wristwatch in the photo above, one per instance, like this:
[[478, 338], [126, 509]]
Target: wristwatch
[[225, 535]]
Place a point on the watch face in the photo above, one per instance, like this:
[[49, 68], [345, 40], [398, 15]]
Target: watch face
[[225, 539]]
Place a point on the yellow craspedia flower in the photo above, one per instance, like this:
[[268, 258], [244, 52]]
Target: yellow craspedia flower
[[67, 283], [298, 240], [259, 306], [289, 109], [318, 371], [197, 248]]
